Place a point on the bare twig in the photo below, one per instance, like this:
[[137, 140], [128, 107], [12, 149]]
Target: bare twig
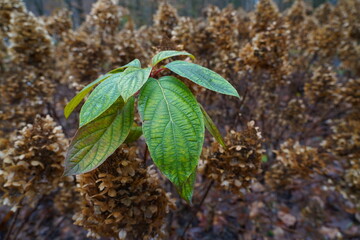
[[197, 208]]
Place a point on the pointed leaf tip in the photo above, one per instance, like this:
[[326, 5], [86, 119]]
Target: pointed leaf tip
[[168, 54], [202, 76], [173, 128]]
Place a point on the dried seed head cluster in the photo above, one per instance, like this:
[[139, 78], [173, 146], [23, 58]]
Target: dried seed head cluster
[[32, 166], [122, 199], [267, 51], [266, 15], [6, 8], [82, 57], [322, 87], [23, 96], [236, 167], [344, 143], [67, 199], [30, 43], [105, 15], [294, 161], [59, 22], [166, 19]]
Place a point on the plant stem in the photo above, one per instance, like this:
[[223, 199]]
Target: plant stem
[[197, 208], [8, 233]]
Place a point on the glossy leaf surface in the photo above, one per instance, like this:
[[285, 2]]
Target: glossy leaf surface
[[97, 140], [168, 54], [173, 127], [202, 76]]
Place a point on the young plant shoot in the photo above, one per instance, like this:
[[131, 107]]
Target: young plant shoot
[[173, 122]]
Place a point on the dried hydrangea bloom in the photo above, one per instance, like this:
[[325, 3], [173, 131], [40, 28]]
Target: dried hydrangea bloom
[[32, 166], [24, 95], [30, 43], [294, 161], [344, 143], [184, 32], [325, 40], [166, 18], [122, 199], [267, 51], [81, 57], [266, 16], [302, 159], [59, 22], [105, 16], [322, 87], [221, 30], [345, 140], [67, 199], [350, 92], [6, 8], [235, 168], [297, 13], [126, 47], [324, 13], [350, 187], [294, 114]]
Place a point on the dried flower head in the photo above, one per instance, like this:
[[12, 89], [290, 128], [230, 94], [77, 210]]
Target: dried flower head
[[59, 22], [122, 199], [236, 167], [30, 43], [32, 166], [322, 87], [166, 19]]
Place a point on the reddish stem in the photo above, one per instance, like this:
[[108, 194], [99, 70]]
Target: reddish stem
[[154, 74]]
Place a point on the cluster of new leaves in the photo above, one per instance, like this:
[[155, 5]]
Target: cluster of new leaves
[[173, 122]]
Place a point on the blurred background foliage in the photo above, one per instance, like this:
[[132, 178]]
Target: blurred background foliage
[[143, 10]]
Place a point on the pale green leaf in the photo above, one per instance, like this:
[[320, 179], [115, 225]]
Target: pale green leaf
[[168, 54], [96, 141], [173, 127], [104, 95], [69, 108], [202, 76], [211, 127], [132, 80], [133, 63], [134, 134]]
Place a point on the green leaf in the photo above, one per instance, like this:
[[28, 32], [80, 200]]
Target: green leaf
[[173, 127], [100, 99], [186, 188], [211, 127], [128, 83], [132, 80], [133, 63], [69, 108], [134, 134], [168, 54], [93, 143], [202, 76]]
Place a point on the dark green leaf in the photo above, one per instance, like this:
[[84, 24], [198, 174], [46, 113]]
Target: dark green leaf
[[97, 140], [133, 63], [134, 134], [173, 127], [80, 96], [168, 54], [202, 76], [211, 127]]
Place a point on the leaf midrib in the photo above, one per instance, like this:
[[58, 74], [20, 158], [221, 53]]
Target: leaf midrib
[[97, 144]]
